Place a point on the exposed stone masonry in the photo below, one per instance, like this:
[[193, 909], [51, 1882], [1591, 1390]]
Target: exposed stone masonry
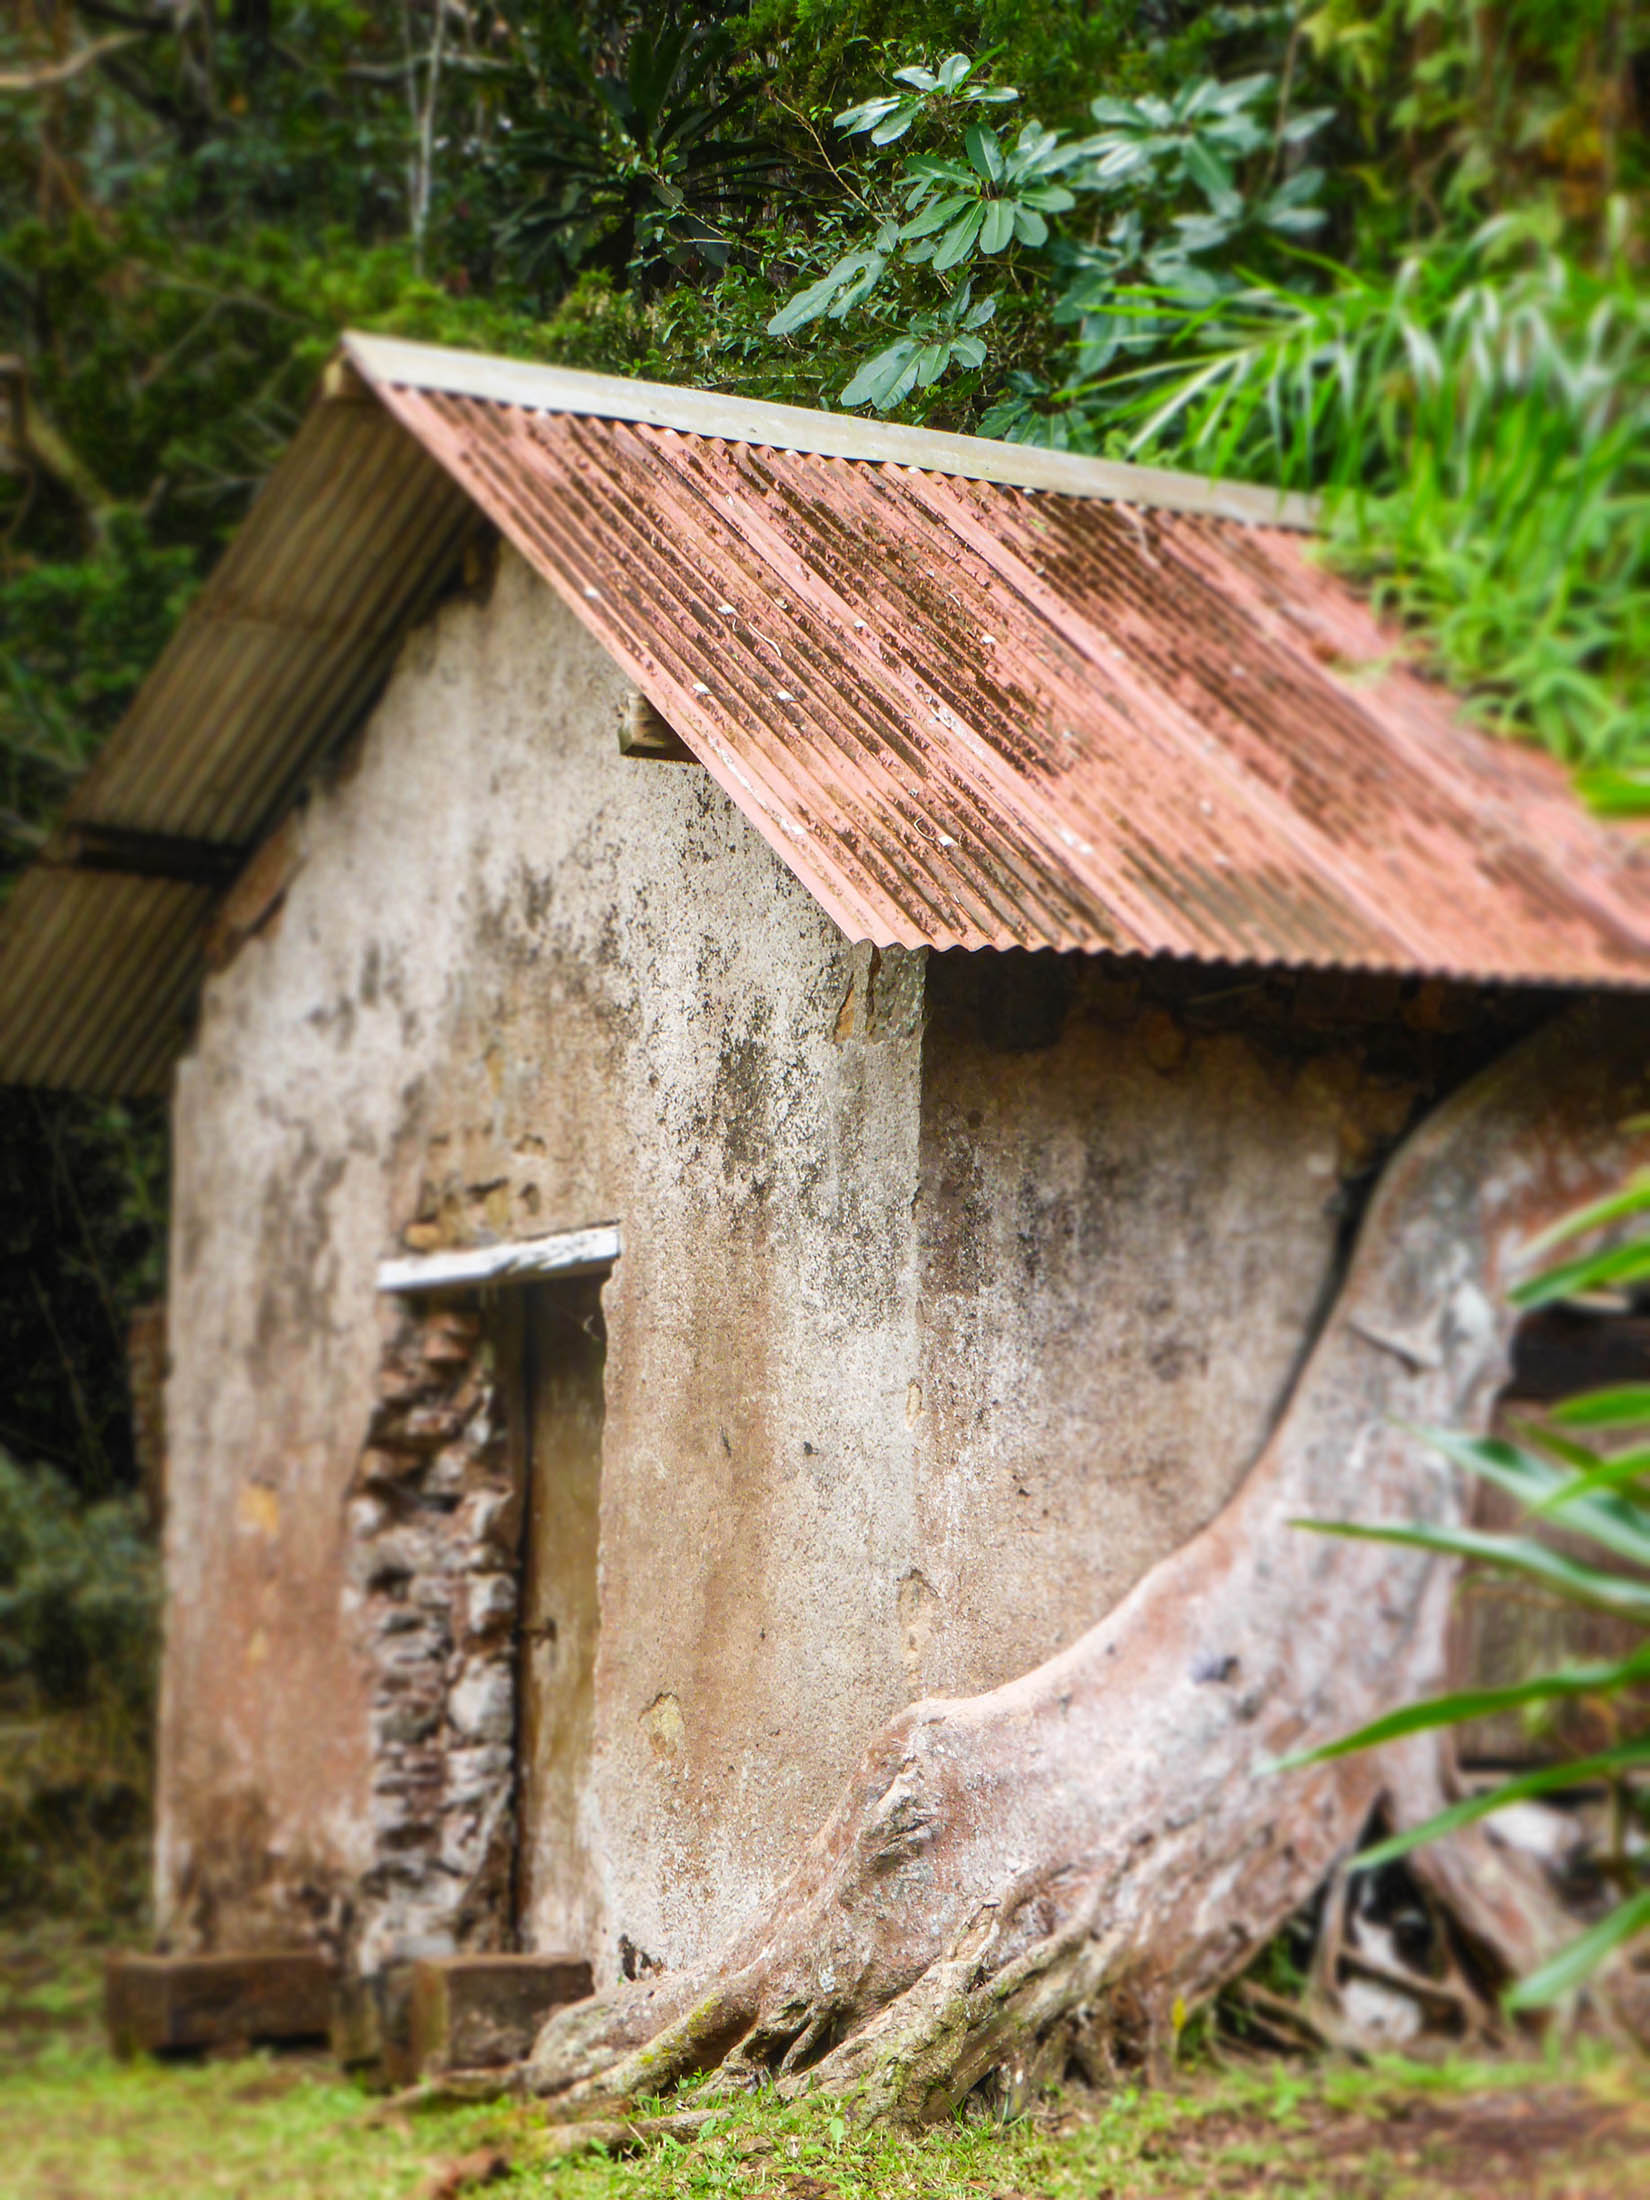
[[436, 1521]]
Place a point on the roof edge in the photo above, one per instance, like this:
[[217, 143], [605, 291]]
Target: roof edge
[[393, 361]]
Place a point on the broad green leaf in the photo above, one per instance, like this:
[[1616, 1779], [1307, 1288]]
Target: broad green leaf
[[1468, 1812], [931, 362], [1117, 166], [968, 351], [1307, 123], [1617, 1406], [998, 226], [1213, 178], [1294, 221], [1573, 1965], [924, 170], [959, 239], [1632, 1199], [1478, 1703], [894, 127], [1239, 91], [809, 304], [934, 216], [1620, 1264], [1512, 1554], [1029, 226], [955, 70], [919, 78], [853, 119], [984, 152], [881, 375], [1298, 189]]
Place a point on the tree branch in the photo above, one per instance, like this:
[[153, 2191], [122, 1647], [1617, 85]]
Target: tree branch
[[65, 71]]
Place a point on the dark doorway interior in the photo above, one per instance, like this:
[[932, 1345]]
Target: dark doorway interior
[[1509, 1630]]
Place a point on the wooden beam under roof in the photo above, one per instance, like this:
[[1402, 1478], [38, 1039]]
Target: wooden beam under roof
[[87, 846]]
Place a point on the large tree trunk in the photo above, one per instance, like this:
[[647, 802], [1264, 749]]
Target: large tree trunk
[[1040, 1875]]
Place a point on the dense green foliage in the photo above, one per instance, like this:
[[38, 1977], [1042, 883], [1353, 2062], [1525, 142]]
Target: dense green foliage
[[79, 1624], [1559, 1476]]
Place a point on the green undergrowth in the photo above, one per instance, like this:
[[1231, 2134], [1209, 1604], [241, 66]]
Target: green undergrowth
[[74, 2125]]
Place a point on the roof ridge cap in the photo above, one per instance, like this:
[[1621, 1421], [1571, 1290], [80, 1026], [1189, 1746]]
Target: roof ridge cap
[[488, 378]]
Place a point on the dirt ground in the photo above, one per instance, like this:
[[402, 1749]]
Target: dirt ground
[[1557, 2141]]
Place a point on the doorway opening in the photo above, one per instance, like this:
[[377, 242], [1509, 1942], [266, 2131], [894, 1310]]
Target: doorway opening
[[480, 1546], [559, 1402]]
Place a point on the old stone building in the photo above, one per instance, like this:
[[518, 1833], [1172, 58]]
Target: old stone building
[[776, 1028]]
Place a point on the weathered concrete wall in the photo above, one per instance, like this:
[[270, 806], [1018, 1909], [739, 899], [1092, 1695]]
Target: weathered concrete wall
[[1126, 1233], [932, 1330], [517, 983]]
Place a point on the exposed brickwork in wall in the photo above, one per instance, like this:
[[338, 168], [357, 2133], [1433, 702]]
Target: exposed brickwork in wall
[[436, 1522]]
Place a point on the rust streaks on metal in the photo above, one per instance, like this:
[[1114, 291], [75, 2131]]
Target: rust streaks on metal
[[974, 716]]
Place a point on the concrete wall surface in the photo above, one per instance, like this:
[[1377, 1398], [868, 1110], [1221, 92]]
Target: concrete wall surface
[[943, 1310]]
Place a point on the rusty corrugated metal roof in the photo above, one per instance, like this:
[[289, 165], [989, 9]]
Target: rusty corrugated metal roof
[[972, 715], [965, 706]]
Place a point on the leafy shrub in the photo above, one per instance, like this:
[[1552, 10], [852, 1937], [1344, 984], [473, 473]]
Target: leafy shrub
[[643, 164], [1480, 423], [79, 1594], [79, 1635]]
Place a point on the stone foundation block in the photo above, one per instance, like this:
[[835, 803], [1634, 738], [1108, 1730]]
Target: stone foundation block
[[154, 2004], [372, 2026], [476, 2012]]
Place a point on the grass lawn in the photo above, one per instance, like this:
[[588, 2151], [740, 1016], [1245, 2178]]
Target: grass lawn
[[75, 2125]]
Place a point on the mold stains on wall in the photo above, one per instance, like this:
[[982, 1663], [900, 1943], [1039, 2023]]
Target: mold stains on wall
[[240, 1883], [919, 1605], [884, 994], [435, 1524], [1138, 1184]]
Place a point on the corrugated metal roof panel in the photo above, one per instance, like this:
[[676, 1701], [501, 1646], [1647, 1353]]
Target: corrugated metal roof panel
[[975, 716], [278, 655], [301, 614], [965, 713], [97, 979], [388, 360]]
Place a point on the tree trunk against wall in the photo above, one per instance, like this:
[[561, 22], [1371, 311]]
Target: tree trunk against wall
[[1038, 1876]]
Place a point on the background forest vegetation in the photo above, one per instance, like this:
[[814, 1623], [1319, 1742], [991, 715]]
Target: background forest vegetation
[[1392, 250]]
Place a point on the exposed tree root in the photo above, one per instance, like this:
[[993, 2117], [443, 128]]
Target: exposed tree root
[[1048, 1876]]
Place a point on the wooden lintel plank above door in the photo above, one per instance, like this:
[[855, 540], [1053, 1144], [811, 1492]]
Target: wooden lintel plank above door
[[522, 1260]]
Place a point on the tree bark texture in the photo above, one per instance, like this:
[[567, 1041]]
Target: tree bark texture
[[1050, 1874]]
